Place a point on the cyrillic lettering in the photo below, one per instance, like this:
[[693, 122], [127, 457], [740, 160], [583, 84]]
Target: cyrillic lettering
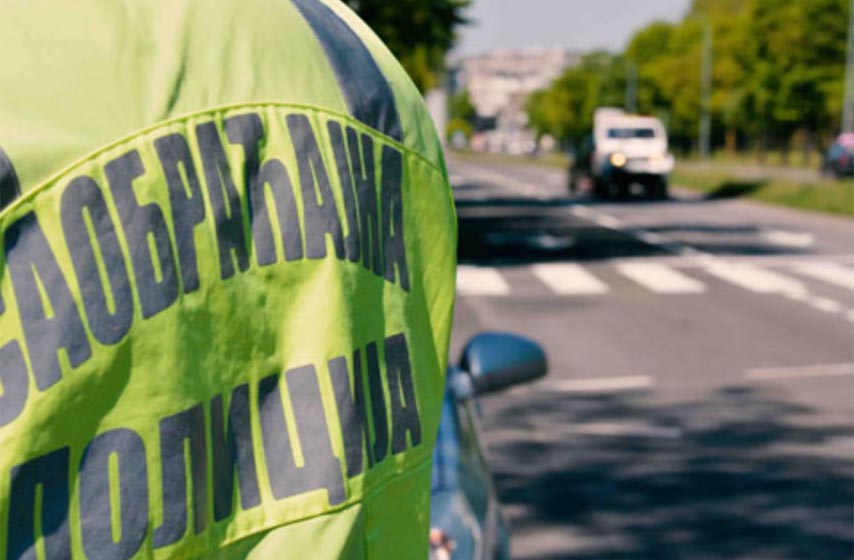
[[96, 524], [286, 478], [350, 399], [247, 131], [365, 179], [378, 407], [141, 223], [233, 450], [188, 205], [187, 427], [51, 325], [322, 468], [404, 406], [394, 248], [14, 381], [320, 209], [346, 176], [275, 176], [50, 472], [225, 201], [83, 199]]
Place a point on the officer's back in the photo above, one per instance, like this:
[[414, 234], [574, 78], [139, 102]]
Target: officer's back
[[227, 283]]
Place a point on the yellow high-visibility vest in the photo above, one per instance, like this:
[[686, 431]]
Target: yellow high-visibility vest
[[226, 283]]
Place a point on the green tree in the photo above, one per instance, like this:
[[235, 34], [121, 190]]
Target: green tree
[[462, 115], [777, 75], [798, 56], [565, 109], [418, 32], [647, 50]]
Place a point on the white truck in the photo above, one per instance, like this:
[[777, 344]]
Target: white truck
[[624, 152]]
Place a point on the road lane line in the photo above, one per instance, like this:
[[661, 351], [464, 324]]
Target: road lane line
[[661, 279], [481, 174], [652, 238], [755, 279], [831, 273], [604, 220], [477, 281], [622, 429], [569, 280], [602, 385], [826, 305], [607, 222], [789, 238], [801, 372]]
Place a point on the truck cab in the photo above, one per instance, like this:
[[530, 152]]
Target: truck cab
[[624, 153]]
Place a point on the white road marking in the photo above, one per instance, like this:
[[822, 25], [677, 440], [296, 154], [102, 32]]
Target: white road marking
[[601, 385], [622, 429], [661, 279], [583, 212], [608, 222], [569, 279], [551, 433], [604, 220], [832, 273], [481, 174], [652, 238], [754, 278], [788, 238], [825, 304], [476, 281], [801, 372], [456, 180]]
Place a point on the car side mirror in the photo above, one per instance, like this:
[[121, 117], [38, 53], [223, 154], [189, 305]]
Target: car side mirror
[[497, 361]]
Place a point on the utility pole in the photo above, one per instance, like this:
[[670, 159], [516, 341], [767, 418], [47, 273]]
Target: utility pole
[[632, 86], [706, 94], [848, 100]]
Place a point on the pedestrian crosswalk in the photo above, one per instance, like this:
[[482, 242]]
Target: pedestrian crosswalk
[[662, 279], [577, 280], [832, 273], [569, 279], [478, 281]]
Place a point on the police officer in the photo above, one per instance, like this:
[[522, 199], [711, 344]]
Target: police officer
[[226, 284]]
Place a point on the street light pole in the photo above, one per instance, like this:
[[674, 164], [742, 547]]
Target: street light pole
[[706, 94], [848, 101]]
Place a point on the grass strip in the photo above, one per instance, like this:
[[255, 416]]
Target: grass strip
[[827, 196]]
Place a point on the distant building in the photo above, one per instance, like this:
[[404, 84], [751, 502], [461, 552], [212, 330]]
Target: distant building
[[499, 84]]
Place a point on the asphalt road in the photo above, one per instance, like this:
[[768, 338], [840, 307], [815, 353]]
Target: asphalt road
[[700, 399]]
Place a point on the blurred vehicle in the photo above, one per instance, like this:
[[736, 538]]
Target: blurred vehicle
[[465, 512], [623, 152], [839, 159]]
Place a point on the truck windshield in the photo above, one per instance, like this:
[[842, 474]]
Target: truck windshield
[[627, 133]]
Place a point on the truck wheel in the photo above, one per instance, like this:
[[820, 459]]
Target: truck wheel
[[600, 189], [623, 190], [658, 190]]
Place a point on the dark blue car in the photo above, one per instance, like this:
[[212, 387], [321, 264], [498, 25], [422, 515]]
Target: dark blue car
[[465, 512], [839, 159]]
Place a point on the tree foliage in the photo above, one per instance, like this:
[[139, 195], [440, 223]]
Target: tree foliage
[[777, 75], [462, 114], [418, 32]]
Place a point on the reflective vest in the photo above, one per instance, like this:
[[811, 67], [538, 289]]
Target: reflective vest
[[226, 284]]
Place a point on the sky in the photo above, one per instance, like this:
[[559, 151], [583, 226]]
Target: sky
[[580, 25]]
